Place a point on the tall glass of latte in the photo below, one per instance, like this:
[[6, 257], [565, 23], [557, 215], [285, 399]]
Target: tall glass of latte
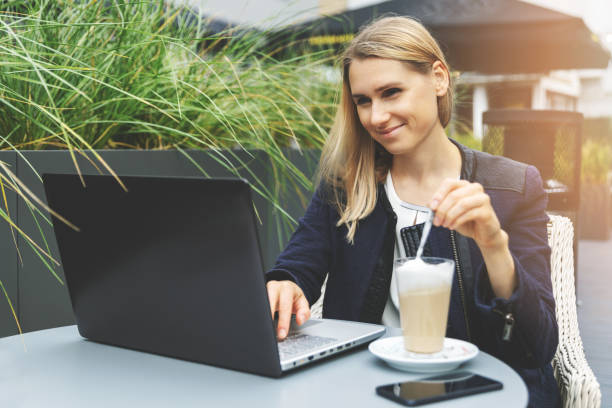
[[424, 286]]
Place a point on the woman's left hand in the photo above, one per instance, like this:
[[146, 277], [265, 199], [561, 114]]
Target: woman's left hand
[[465, 207]]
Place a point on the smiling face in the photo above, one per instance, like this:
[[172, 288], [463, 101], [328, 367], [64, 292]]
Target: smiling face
[[396, 104]]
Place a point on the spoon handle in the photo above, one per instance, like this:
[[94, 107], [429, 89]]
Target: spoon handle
[[425, 235]]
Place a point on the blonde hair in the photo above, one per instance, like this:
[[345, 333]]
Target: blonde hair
[[352, 163]]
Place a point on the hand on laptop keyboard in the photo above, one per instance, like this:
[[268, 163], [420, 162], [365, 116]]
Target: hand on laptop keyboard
[[287, 298]]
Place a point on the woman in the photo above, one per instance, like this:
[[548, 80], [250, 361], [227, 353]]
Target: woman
[[388, 160]]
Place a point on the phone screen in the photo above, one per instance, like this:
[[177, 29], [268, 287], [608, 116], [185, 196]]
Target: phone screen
[[438, 388]]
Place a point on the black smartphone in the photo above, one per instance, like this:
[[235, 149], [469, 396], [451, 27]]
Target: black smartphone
[[438, 388]]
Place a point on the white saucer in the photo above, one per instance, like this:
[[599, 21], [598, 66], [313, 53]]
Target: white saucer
[[454, 353]]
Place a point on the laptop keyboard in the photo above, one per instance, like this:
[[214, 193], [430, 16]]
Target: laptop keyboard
[[299, 343]]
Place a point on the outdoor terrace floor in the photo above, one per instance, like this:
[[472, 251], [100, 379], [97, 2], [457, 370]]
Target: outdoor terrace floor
[[595, 311]]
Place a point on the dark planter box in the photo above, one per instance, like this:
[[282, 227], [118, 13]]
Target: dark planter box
[[40, 301], [595, 211]]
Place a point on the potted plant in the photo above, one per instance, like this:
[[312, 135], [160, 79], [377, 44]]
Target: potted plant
[[595, 195], [141, 88]]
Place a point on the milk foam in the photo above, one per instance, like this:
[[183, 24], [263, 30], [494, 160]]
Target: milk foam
[[416, 274]]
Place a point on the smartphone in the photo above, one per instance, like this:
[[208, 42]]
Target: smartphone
[[438, 388]]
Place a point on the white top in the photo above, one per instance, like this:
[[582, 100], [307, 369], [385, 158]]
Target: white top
[[407, 215]]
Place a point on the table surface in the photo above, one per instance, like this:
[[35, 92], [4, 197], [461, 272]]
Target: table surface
[[60, 368]]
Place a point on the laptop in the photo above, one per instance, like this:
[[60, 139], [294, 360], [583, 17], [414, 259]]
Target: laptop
[[173, 266]]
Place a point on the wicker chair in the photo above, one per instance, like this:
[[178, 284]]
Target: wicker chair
[[578, 385]]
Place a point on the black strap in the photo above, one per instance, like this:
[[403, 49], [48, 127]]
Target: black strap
[[411, 238]]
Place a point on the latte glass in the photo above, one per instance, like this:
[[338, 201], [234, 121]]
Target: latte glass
[[424, 287]]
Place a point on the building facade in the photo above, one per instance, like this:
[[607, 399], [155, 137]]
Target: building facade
[[586, 91]]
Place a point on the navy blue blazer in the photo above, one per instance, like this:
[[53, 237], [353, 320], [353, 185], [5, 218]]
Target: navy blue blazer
[[318, 248]]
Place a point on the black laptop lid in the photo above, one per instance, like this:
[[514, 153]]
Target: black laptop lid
[[172, 266]]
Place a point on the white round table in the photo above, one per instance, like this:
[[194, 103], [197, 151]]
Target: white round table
[[62, 369]]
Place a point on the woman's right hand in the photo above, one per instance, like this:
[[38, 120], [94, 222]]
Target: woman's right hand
[[287, 298]]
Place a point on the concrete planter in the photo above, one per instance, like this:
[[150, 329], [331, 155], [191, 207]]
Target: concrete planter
[[39, 299], [595, 214]]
